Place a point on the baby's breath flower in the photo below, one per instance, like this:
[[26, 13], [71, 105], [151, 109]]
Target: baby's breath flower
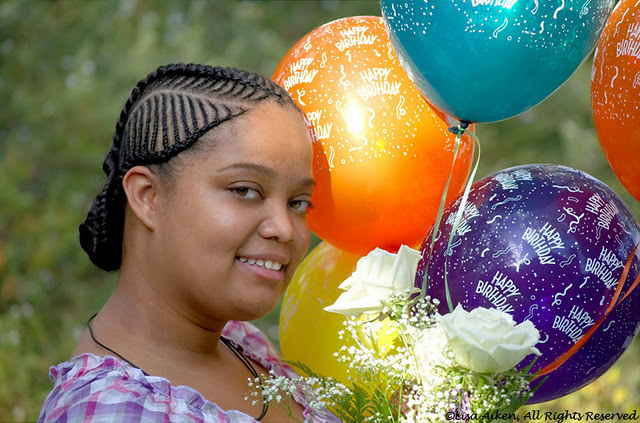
[[413, 379]]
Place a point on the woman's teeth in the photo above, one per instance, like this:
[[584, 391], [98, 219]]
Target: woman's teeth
[[271, 265]]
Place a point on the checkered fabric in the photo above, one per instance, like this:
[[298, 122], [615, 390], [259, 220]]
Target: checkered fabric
[[95, 389]]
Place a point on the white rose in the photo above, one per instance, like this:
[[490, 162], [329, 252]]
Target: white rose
[[378, 275], [488, 340]]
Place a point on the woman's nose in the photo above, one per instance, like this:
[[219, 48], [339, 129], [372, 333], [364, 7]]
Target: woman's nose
[[278, 224]]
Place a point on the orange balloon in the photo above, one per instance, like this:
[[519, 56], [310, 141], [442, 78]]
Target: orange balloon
[[382, 154], [615, 93]]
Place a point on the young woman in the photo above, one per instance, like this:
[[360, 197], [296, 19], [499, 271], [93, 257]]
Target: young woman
[[203, 214]]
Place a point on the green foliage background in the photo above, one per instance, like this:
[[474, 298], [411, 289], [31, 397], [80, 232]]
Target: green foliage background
[[66, 69]]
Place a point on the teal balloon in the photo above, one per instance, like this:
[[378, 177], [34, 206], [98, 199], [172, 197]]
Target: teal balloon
[[489, 60]]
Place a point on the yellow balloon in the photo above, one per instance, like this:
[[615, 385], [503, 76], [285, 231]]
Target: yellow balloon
[[308, 333], [381, 339]]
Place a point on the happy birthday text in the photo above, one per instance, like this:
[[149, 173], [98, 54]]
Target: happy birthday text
[[631, 45]]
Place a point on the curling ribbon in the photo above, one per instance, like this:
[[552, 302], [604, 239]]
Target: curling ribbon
[[584, 338], [459, 131]]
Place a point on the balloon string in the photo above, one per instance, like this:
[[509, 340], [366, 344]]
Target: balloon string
[[443, 199], [459, 131], [456, 222], [584, 338], [456, 147]]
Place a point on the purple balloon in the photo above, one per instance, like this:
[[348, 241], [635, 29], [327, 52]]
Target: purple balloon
[[544, 243], [600, 352]]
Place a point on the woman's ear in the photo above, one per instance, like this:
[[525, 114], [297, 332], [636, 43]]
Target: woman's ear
[[141, 185]]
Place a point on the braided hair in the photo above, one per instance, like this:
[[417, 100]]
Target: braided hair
[[166, 113]]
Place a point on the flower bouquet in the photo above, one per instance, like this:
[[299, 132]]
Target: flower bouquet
[[407, 363]]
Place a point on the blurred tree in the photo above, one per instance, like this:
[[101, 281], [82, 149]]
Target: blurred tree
[[67, 68]]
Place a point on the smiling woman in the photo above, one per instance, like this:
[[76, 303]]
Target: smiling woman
[[203, 215]]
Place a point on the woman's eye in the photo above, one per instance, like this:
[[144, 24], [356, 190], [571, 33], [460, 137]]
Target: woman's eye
[[300, 205], [246, 192]]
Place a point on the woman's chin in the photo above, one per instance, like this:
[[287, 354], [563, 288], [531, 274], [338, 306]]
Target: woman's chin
[[256, 310]]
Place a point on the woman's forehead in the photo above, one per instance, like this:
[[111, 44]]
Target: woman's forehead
[[265, 125], [269, 136]]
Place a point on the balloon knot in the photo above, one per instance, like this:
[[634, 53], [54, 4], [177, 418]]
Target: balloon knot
[[459, 130]]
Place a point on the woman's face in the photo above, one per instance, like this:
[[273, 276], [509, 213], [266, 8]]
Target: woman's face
[[232, 227]]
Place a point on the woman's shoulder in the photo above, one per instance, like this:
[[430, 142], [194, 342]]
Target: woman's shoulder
[[256, 345], [92, 388], [89, 388]]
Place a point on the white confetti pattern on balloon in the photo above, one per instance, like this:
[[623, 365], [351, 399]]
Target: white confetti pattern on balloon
[[535, 9], [561, 247], [585, 8], [555, 14], [371, 128], [615, 95], [501, 27]]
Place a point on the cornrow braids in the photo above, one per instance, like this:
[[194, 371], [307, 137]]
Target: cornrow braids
[[166, 113]]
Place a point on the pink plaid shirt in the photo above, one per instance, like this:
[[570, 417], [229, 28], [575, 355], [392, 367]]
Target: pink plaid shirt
[[93, 389]]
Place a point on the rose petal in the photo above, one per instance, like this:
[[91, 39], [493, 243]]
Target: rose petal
[[378, 275], [488, 340]]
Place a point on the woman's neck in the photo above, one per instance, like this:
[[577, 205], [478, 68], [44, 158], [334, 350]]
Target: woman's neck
[[139, 324]]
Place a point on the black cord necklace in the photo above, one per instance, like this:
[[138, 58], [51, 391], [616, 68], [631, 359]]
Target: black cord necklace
[[225, 341], [109, 349]]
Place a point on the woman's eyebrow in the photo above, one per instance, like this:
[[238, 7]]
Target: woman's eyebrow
[[264, 170], [308, 182]]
